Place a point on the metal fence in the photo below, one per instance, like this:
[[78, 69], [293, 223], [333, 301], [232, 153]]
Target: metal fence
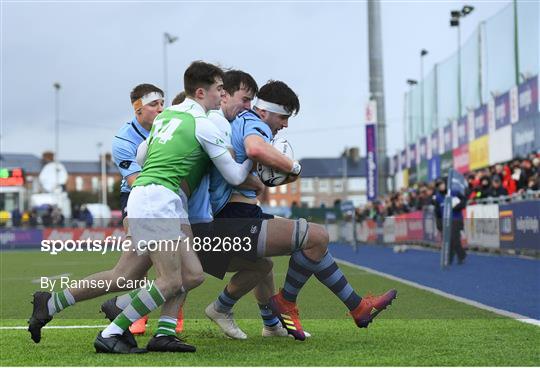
[[502, 52]]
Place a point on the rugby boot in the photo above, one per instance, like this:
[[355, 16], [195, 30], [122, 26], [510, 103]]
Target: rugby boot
[[139, 326], [287, 313], [370, 306], [40, 315], [180, 323], [167, 343], [278, 331], [116, 344], [226, 322], [111, 311]]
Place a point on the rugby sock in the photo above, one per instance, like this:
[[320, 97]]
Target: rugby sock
[[268, 317], [328, 273], [166, 326], [297, 276], [225, 302], [123, 300], [142, 304], [59, 301]]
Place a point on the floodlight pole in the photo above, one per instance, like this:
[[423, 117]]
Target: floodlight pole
[[423, 53], [455, 17], [376, 89], [57, 87], [167, 40]]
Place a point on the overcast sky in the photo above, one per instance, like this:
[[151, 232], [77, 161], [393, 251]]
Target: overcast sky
[[98, 51]]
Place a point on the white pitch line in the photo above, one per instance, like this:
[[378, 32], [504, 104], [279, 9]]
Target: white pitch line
[[502, 312], [57, 277], [52, 327], [516, 316]]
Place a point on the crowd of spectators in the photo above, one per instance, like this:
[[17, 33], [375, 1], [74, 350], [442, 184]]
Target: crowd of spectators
[[515, 177], [46, 216]]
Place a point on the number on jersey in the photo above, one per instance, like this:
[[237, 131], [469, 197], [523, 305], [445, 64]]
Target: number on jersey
[[165, 133]]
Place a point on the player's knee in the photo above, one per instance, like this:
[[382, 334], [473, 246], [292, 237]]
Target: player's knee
[[173, 287], [193, 280], [318, 237]]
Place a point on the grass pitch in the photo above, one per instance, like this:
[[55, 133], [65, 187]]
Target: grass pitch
[[420, 328]]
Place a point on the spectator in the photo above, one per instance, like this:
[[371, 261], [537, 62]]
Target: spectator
[[534, 182], [508, 183], [472, 184], [485, 189], [536, 165], [16, 217], [525, 173], [76, 212], [25, 219], [57, 217], [86, 216], [33, 218], [4, 218], [497, 190], [424, 198], [46, 218]]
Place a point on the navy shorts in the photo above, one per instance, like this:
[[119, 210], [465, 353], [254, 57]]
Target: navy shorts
[[123, 203], [235, 220]]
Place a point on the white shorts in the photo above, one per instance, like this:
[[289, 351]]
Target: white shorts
[[156, 213]]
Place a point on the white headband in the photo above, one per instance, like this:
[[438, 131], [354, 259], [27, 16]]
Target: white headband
[[146, 99], [270, 106]]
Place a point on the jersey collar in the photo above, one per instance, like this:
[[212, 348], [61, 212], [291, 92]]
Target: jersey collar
[[139, 129], [194, 105]]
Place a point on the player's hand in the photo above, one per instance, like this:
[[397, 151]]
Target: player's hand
[[296, 169]]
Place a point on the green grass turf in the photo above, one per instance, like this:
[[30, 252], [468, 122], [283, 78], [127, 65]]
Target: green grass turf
[[420, 328]]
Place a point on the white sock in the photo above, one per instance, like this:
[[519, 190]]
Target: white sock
[[111, 329], [123, 301]]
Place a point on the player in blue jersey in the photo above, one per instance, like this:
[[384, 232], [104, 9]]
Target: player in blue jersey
[[240, 89], [307, 243]]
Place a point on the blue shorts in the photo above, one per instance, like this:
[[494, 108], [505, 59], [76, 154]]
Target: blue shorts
[[241, 220], [123, 203]]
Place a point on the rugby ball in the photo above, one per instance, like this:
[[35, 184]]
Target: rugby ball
[[269, 176]]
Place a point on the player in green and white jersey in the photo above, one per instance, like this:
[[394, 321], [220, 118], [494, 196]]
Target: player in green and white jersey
[[181, 146]]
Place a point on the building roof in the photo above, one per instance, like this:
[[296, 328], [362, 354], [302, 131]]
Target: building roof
[[332, 167], [87, 167], [28, 162], [33, 164]]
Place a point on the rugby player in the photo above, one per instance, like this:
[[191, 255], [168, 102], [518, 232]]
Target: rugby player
[[240, 89], [307, 243], [205, 94], [181, 146], [147, 101]]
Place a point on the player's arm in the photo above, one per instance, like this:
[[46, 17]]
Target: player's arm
[[131, 179], [213, 143], [253, 182], [142, 152], [257, 149], [124, 155]]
